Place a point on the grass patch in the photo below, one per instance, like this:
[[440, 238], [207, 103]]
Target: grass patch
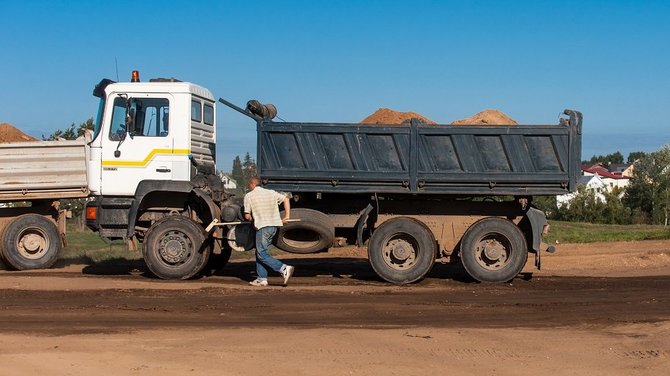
[[88, 245], [573, 232]]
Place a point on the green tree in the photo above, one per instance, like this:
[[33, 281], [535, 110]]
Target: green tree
[[72, 132], [596, 207], [649, 190], [615, 212], [76, 206], [616, 158], [248, 168], [236, 173], [635, 155], [584, 207], [547, 204]]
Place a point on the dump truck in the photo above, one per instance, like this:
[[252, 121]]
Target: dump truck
[[417, 192], [412, 193]]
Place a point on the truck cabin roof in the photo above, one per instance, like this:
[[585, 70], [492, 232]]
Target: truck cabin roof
[[106, 86]]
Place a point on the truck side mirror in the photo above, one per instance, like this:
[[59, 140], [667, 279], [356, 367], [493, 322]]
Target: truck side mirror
[[122, 137], [130, 121]]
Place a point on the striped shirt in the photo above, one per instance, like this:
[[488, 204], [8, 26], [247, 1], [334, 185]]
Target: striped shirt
[[263, 205]]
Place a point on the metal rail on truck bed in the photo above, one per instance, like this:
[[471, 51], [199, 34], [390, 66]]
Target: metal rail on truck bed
[[43, 170]]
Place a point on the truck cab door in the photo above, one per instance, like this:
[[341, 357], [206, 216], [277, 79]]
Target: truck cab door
[[138, 146]]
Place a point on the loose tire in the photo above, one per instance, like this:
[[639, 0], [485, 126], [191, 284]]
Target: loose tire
[[493, 250], [30, 241], [313, 233], [241, 237], [176, 248], [402, 250]]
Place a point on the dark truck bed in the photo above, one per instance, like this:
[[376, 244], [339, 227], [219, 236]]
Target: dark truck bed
[[522, 160]]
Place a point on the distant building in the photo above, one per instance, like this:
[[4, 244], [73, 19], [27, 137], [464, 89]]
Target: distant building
[[592, 182], [613, 175], [600, 179], [228, 182], [625, 169]]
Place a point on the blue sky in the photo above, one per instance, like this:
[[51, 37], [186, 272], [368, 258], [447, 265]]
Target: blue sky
[[338, 61]]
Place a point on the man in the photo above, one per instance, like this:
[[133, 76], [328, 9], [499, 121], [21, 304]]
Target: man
[[262, 206]]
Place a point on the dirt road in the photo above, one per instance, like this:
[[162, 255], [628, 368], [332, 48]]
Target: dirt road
[[599, 309]]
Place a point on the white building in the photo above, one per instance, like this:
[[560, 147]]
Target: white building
[[228, 182], [592, 182], [599, 179]]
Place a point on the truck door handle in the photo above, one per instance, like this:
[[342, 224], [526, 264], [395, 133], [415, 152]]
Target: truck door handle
[[163, 169]]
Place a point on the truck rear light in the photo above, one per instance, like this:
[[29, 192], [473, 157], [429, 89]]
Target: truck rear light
[[91, 213]]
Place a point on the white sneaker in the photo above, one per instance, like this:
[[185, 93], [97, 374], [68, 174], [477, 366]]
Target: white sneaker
[[259, 282], [287, 273]]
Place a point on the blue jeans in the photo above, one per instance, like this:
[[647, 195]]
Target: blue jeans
[[263, 240]]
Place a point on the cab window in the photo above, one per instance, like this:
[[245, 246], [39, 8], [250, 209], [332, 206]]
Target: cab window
[[118, 127], [196, 111], [148, 117], [209, 114], [153, 118]]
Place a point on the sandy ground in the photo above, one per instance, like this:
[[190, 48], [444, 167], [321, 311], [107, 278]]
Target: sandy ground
[[596, 309]]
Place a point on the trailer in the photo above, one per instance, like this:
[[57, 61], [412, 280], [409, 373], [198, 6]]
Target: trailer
[[34, 178]]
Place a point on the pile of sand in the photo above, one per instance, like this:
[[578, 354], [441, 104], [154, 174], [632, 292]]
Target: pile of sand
[[487, 117], [9, 133], [388, 116]]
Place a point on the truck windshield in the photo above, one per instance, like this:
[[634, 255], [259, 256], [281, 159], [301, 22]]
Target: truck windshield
[[98, 118]]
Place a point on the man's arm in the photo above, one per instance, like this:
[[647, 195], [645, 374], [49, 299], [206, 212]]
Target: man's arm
[[287, 210], [247, 208]]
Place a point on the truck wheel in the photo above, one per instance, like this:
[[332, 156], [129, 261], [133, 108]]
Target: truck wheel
[[313, 233], [493, 250], [402, 250], [175, 248], [30, 241]]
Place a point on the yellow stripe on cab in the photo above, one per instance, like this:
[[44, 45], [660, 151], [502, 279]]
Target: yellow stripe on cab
[[146, 160]]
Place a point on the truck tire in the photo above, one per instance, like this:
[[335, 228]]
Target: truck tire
[[314, 232], [402, 250], [176, 248], [493, 250], [241, 237], [30, 241]]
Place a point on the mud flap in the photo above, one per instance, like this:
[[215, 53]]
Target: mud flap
[[537, 221], [360, 224]]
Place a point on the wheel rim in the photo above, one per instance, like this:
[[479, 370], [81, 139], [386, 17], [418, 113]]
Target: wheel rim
[[493, 251], [400, 251], [175, 248], [32, 243]]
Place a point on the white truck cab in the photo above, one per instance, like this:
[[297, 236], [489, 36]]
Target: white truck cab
[[152, 174], [157, 130]]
